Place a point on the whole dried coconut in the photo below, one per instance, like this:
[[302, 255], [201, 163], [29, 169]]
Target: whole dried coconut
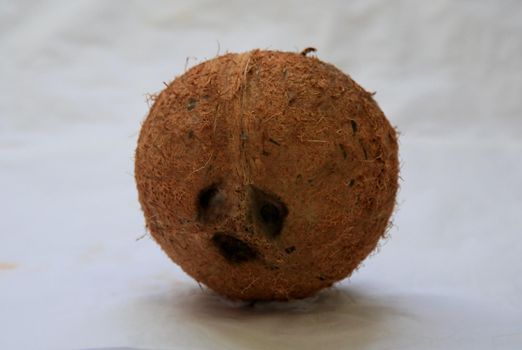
[[266, 175]]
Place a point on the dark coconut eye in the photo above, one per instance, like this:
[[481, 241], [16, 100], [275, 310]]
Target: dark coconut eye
[[233, 249], [210, 203], [270, 212]]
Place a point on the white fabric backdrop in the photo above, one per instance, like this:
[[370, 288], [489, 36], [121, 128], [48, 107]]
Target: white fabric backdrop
[[73, 82]]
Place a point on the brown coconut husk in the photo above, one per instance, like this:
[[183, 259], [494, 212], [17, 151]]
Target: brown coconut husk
[[266, 175]]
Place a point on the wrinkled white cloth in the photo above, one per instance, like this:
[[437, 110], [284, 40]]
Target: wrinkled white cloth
[[74, 77]]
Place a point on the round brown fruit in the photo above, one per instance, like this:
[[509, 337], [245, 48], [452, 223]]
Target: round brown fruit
[[266, 175]]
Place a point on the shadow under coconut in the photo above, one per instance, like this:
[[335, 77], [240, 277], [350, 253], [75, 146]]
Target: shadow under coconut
[[192, 318], [333, 317]]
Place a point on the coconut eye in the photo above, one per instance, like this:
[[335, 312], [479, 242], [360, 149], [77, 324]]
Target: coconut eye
[[210, 203], [270, 214], [233, 249], [269, 211]]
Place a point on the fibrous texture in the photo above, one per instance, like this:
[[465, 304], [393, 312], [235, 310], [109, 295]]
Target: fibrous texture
[[266, 175]]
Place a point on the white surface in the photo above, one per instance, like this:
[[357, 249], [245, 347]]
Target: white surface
[[74, 76]]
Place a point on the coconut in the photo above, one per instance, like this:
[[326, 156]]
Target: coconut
[[266, 175]]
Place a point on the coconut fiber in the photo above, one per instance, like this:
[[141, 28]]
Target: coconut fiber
[[266, 175]]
